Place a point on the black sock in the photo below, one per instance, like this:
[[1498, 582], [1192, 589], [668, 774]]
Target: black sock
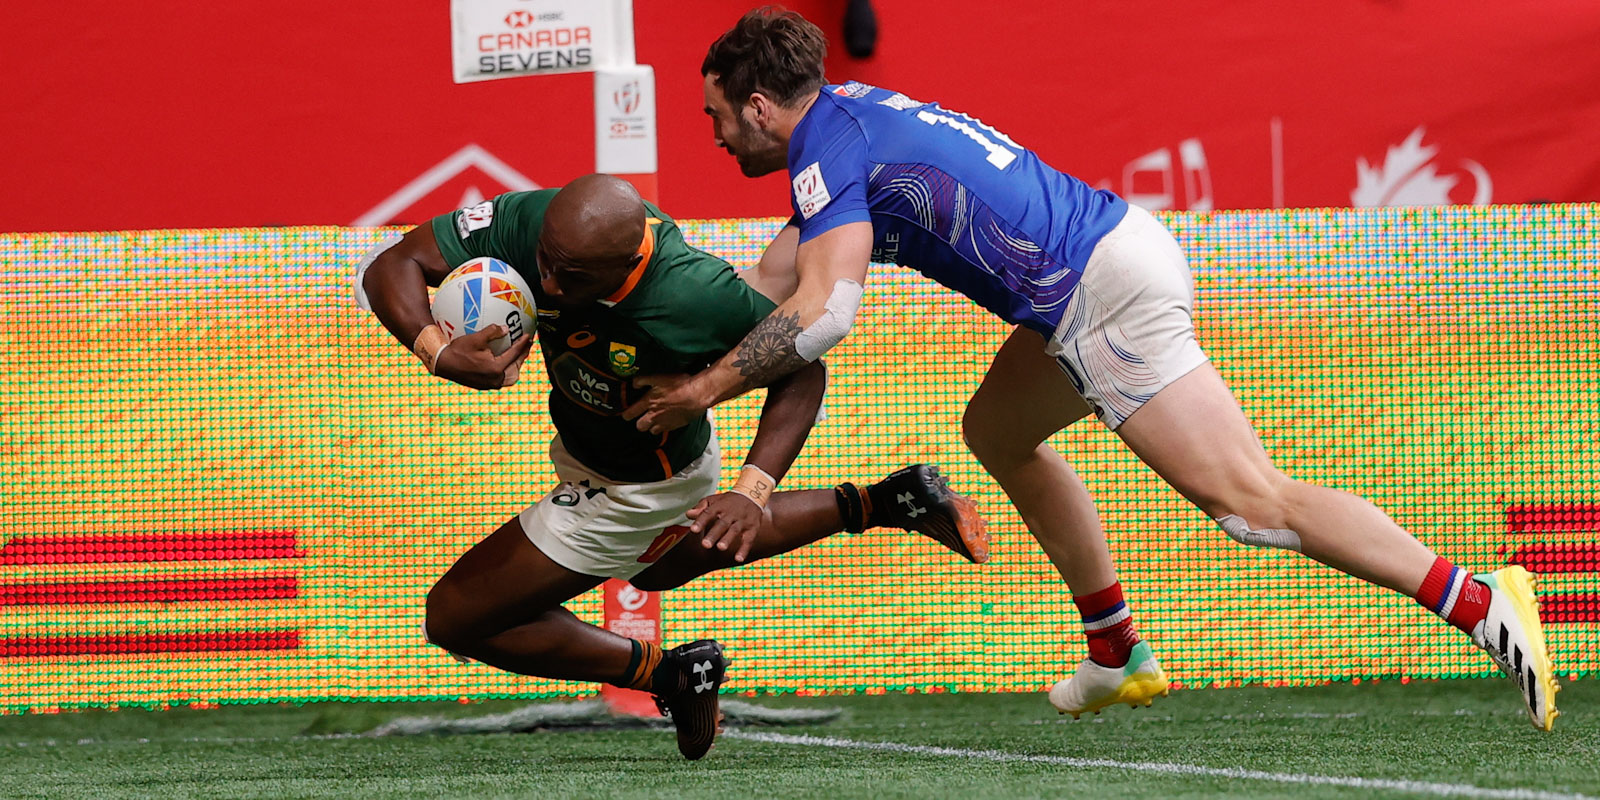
[[668, 675], [851, 507], [862, 508]]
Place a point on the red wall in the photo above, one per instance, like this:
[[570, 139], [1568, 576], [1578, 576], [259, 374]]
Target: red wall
[[160, 114]]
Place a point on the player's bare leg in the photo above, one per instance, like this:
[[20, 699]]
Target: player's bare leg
[[792, 520], [1025, 398], [798, 518], [500, 604], [1195, 436]]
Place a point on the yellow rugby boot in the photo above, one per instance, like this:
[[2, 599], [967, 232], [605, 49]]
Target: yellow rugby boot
[[1514, 638]]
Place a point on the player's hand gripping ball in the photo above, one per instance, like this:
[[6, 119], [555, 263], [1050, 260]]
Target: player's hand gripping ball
[[484, 292]]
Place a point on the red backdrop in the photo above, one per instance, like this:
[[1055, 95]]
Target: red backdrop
[[162, 114]]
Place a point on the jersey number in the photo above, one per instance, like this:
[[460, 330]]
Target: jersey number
[[999, 154]]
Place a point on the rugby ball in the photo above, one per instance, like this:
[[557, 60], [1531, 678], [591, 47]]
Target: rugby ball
[[484, 292]]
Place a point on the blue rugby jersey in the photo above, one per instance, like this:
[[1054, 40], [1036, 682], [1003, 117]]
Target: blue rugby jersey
[[949, 197]]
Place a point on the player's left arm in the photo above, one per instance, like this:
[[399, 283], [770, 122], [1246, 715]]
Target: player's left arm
[[731, 519]]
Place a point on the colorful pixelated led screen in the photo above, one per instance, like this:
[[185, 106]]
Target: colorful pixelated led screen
[[224, 483]]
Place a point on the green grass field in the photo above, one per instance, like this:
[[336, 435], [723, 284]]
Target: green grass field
[[1426, 739]]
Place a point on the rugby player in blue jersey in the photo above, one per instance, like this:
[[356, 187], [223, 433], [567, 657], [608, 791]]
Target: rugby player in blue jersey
[[1101, 297]]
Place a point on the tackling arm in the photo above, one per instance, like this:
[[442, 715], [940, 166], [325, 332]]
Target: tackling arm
[[831, 270], [734, 517], [775, 275]]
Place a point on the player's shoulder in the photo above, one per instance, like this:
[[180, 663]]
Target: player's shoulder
[[862, 103], [845, 113], [508, 208], [524, 205], [686, 283]]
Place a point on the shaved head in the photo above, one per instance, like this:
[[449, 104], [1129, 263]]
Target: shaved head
[[598, 218], [590, 241]]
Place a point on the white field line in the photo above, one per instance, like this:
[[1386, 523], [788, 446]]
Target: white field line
[[1167, 768]]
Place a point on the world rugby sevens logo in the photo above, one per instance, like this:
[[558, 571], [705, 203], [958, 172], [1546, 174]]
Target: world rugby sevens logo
[[627, 97]]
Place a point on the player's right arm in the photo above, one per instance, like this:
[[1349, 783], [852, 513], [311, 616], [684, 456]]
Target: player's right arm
[[395, 286], [833, 235]]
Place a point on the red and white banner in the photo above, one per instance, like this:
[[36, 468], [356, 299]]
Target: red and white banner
[[510, 38], [633, 614], [299, 112]]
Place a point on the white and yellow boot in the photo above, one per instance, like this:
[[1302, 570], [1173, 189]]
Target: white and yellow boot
[[1093, 687]]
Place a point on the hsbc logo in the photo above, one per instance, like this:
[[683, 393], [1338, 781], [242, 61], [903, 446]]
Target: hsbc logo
[[627, 97], [522, 19]]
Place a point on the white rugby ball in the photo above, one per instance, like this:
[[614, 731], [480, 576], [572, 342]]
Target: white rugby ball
[[484, 292]]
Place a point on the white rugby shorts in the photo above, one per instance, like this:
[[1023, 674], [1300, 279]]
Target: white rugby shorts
[[594, 526], [1128, 329]]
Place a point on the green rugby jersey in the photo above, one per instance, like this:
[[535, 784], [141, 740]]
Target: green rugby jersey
[[679, 312]]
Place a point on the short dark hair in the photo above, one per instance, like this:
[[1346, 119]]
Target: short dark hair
[[770, 50]]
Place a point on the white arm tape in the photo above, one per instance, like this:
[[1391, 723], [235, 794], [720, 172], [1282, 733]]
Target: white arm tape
[[389, 240], [838, 314]]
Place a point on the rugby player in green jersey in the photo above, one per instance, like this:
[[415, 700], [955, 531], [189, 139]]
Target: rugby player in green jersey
[[621, 295]]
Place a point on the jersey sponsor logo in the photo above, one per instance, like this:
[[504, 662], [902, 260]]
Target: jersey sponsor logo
[[474, 218], [810, 191], [900, 102], [852, 89], [624, 359], [887, 249], [587, 386]]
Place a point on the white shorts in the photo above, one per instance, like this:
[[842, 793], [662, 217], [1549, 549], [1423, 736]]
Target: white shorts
[[1128, 330], [597, 527]]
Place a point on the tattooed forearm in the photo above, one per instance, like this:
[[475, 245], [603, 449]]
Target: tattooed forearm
[[767, 352]]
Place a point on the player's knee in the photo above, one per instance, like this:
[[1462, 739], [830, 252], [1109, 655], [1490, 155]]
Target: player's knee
[[1259, 511], [985, 437], [441, 624], [1240, 530]]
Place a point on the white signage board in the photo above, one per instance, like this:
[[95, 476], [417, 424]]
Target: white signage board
[[514, 38], [625, 120]]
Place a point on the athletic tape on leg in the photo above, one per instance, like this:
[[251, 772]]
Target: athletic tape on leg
[[389, 240], [838, 314], [1240, 531]]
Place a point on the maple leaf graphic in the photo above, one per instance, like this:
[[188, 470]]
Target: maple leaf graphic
[[1405, 179]]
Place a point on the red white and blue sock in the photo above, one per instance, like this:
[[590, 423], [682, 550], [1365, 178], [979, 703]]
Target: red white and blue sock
[[1450, 592], [1109, 625]]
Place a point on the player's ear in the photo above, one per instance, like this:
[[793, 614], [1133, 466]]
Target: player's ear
[[761, 108]]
